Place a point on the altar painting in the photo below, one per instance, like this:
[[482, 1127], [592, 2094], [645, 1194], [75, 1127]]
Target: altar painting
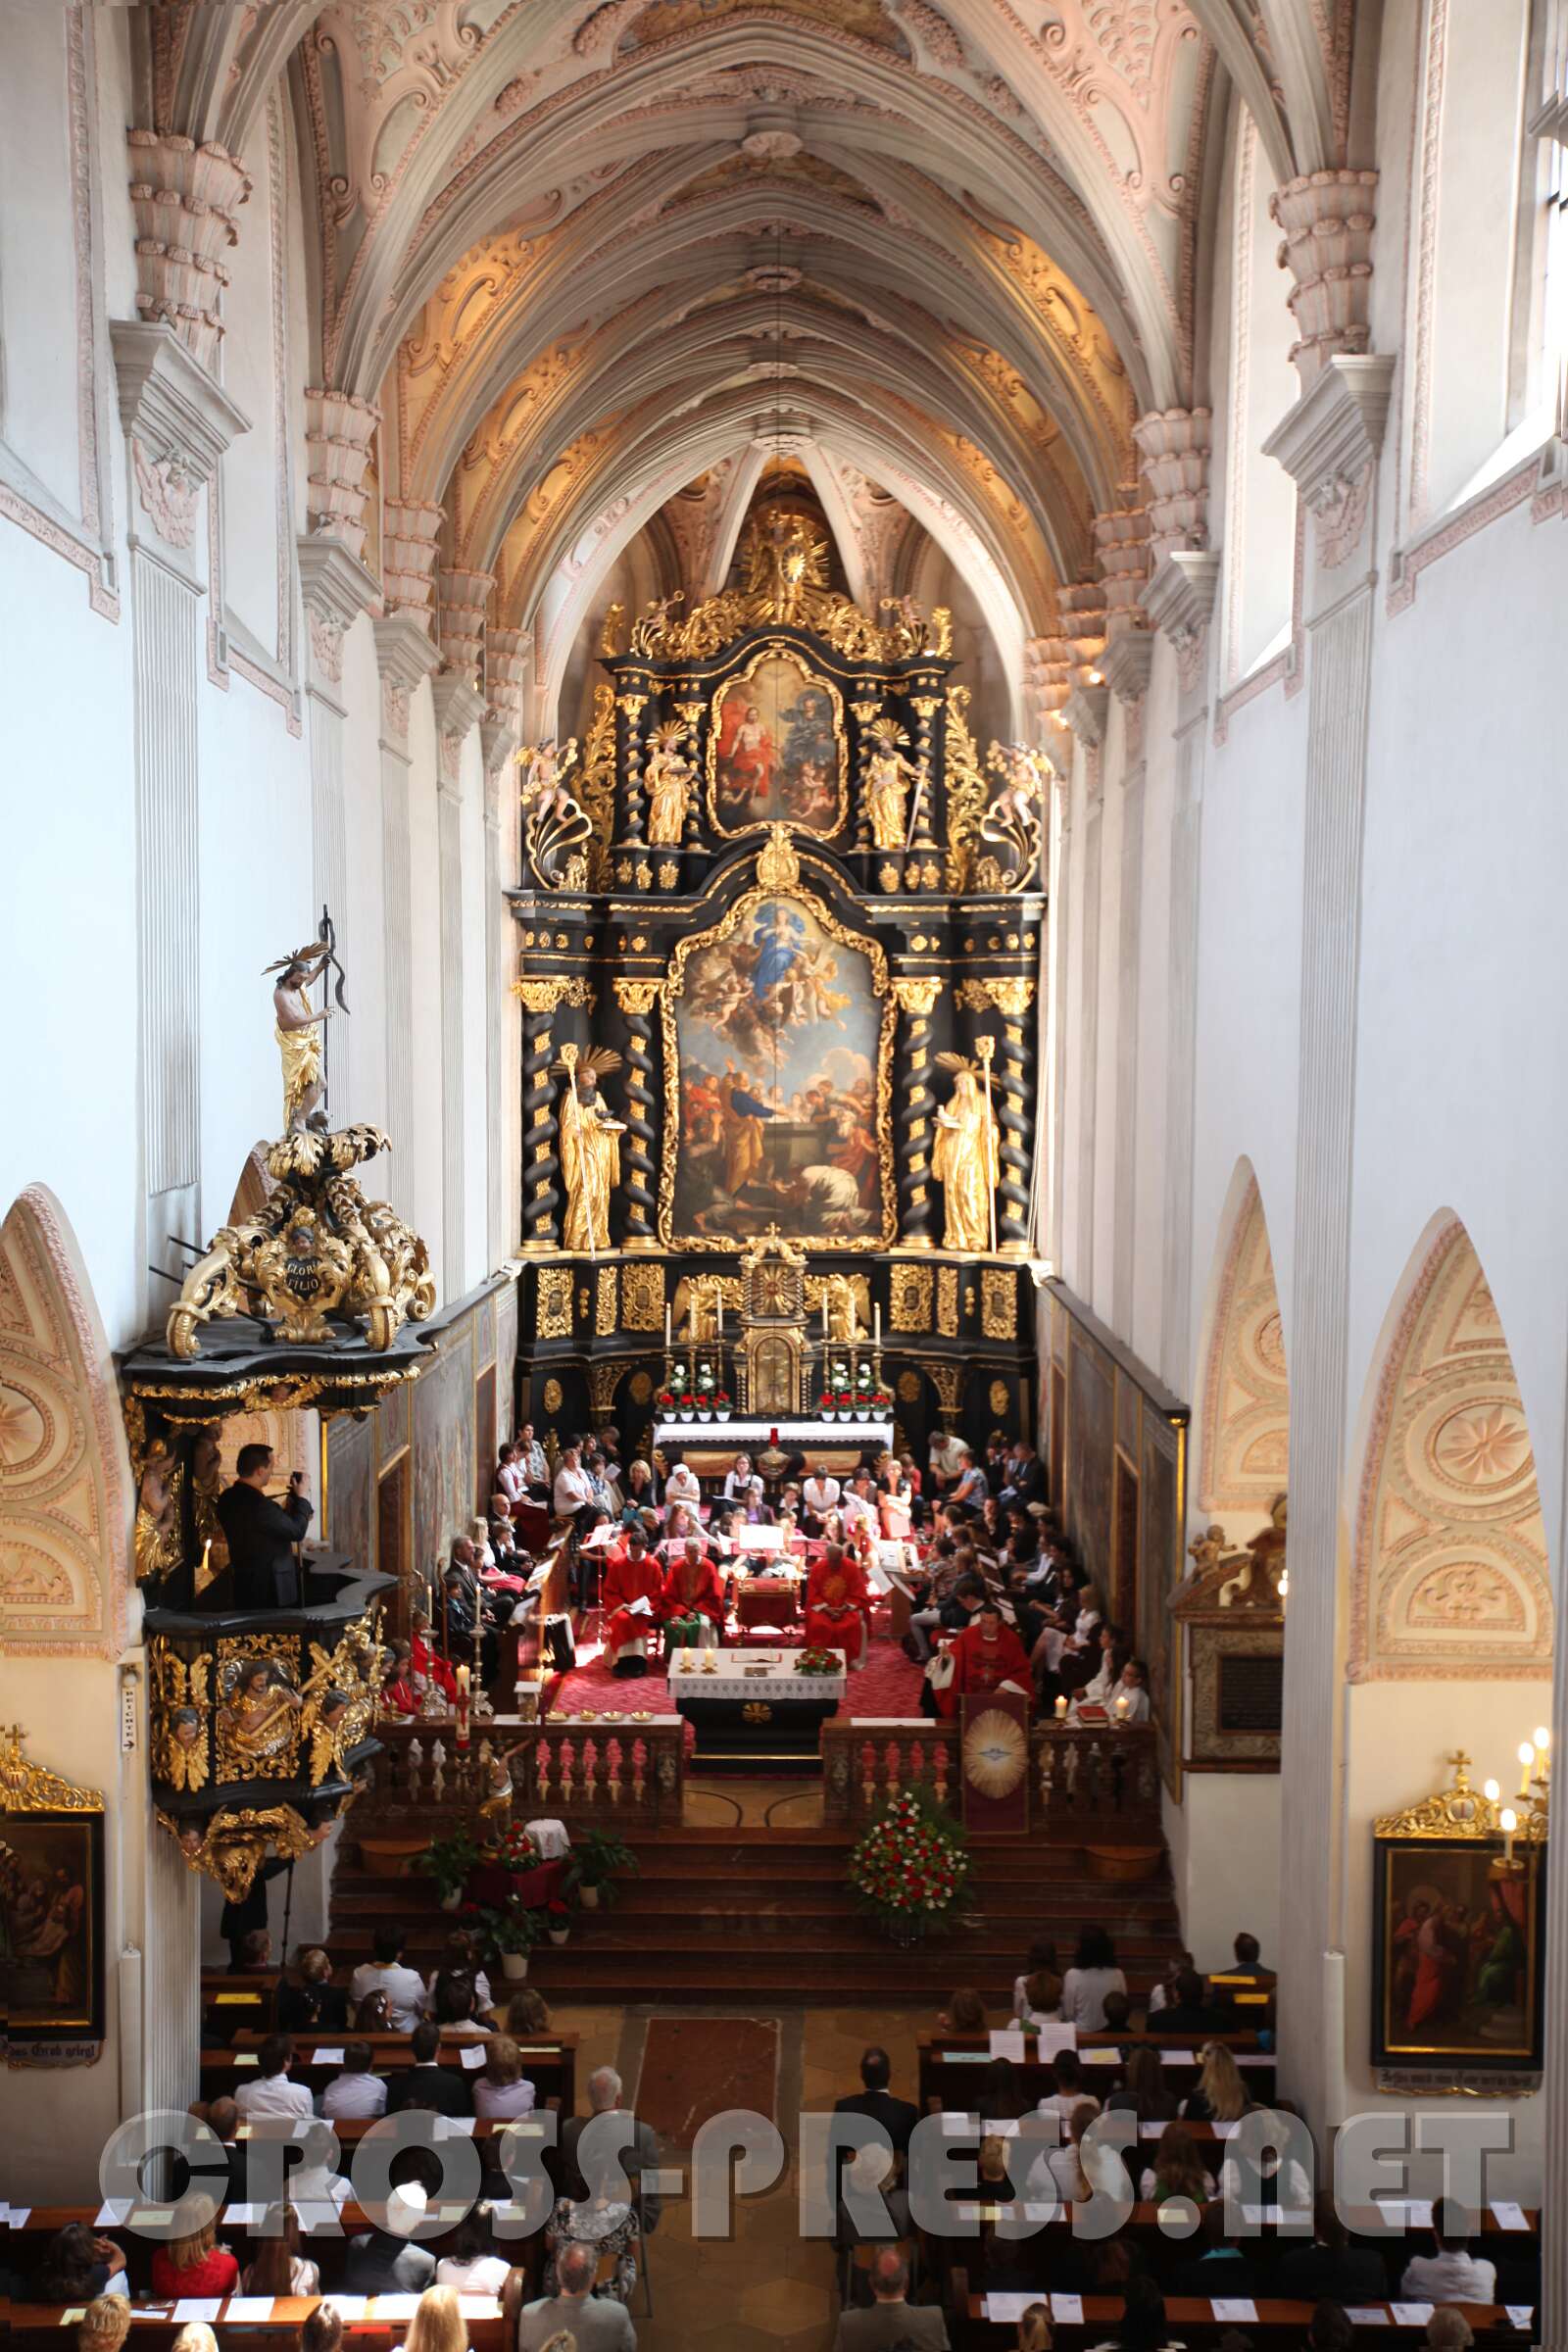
[[778, 1037], [776, 749]]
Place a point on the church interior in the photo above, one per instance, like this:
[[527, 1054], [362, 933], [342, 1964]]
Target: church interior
[[782, 1449]]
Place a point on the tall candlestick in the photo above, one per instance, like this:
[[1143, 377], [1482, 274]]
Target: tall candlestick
[[720, 1318], [668, 1327], [876, 1314], [824, 1314]]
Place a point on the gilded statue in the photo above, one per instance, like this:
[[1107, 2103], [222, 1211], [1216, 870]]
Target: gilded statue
[[258, 1730], [887, 771], [157, 1538], [555, 824], [1258, 1581], [590, 1146], [298, 1031], [1207, 1550], [1012, 823], [668, 778], [966, 1156]]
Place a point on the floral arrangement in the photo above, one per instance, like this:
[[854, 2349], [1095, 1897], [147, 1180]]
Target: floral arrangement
[[819, 1661], [910, 1869], [516, 1850]]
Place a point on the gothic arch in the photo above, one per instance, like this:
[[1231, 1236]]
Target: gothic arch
[[66, 1497], [1244, 1452], [1450, 1571]]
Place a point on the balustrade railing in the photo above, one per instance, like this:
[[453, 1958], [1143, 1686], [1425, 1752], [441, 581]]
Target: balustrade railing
[[575, 1772], [1091, 1779]]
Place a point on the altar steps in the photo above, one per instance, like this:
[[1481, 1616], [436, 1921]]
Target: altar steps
[[717, 1916]]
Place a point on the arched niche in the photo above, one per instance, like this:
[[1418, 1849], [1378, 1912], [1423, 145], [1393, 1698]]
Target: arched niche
[[1244, 1431], [66, 1497], [1449, 1570]]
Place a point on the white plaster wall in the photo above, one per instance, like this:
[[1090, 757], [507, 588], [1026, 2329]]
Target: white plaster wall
[[482, 1121], [1224, 1845], [424, 1145]]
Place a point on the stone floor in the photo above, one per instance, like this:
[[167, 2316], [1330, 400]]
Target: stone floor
[[761, 2284]]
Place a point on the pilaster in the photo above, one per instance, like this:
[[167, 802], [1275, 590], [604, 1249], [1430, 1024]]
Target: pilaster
[[177, 423], [183, 199], [409, 529], [338, 430], [404, 656]]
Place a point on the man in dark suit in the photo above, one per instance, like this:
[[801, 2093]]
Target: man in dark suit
[[262, 1534], [890, 2320], [426, 2084], [898, 2117], [1189, 2013], [1331, 2270]]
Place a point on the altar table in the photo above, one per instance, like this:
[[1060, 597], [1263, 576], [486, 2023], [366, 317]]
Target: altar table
[[754, 1700]]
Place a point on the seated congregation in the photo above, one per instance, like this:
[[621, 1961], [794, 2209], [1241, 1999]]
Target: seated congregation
[[976, 2224], [962, 1568]]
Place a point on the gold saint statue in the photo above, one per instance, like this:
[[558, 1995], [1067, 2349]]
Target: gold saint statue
[[590, 1146], [669, 779], [966, 1158], [886, 770]]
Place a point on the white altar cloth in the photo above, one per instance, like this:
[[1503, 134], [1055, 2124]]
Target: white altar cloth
[[777, 1681], [745, 1436]]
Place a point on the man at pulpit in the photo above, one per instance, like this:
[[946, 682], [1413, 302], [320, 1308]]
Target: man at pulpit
[[985, 1655], [632, 1576], [838, 1605]]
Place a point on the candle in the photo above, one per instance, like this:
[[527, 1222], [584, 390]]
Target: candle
[[1062, 1711], [1526, 1761], [667, 1329], [462, 1709], [1121, 1708], [824, 1314], [1510, 1820], [721, 1319], [876, 1318], [1543, 1744]]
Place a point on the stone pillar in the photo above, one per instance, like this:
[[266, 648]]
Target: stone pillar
[[637, 1000], [540, 1000], [404, 656], [499, 737], [336, 588], [183, 199], [1181, 1033], [917, 996], [170, 1978], [177, 424], [1329, 444]]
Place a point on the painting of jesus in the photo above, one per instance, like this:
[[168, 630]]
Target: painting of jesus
[[776, 749], [778, 1036]]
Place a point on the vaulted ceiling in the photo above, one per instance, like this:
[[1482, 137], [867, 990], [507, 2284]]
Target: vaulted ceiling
[[579, 256]]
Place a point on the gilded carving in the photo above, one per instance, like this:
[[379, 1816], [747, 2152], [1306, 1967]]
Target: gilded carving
[[598, 782], [606, 1318], [908, 1388], [948, 1301], [554, 1397], [999, 1304], [27, 1788], [642, 1297], [785, 560], [555, 1303], [637, 996], [1000, 1398], [967, 790], [231, 1846], [917, 997], [557, 827], [910, 1293]]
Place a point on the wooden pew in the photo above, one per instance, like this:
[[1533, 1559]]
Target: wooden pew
[[550, 2061], [1278, 2328], [950, 2079], [39, 2323]]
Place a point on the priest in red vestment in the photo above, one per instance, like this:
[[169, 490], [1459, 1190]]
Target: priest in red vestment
[[838, 1604], [987, 1653], [631, 1575], [693, 1600]]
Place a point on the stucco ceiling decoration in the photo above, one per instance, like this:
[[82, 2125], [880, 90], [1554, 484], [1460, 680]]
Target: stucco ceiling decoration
[[1450, 1575], [1247, 1395]]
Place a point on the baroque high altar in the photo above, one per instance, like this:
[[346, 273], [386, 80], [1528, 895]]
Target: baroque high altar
[[779, 936]]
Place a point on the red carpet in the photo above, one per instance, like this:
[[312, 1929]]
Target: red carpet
[[697, 2067], [889, 1683]]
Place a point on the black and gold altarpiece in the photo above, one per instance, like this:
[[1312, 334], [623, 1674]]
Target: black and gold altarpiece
[[779, 936]]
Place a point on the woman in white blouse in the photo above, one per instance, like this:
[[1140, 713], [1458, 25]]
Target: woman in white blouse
[[501, 2093], [1094, 1973], [738, 1478]]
